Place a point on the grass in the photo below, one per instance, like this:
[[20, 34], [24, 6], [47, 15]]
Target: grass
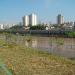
[[22, 60]]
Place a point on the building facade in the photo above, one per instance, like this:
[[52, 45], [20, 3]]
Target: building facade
[[74, 25], [33, 19], [60, 19], [26, 21], [1, 26], [30, 20]]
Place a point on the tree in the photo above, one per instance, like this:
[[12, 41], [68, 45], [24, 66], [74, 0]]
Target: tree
[[38, 27]]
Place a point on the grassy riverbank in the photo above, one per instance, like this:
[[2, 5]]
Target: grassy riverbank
[[22, 60]]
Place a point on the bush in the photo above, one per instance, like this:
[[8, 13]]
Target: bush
[[38, 27], [70, 34]]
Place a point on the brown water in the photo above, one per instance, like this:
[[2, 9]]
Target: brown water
[[58, 46]]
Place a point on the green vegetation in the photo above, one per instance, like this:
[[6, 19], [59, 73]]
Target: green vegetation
[[16, 28], [38, 27], [70, 34], [21, 60], [4, 70]]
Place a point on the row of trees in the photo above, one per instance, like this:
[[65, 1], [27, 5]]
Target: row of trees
[[38, 27], [70, 34], [18, 28]]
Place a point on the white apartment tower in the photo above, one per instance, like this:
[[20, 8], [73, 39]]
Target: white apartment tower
[[30, 20], [26, 21], [33, 19], [1, 26], [60, 19]]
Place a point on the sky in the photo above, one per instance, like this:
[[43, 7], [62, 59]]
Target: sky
[[12, 11]]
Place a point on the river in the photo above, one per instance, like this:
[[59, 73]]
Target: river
[[54, 45]]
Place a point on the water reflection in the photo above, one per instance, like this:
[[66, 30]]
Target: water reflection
[[54, 45], [59, 46], [34, 43], [27, 43]]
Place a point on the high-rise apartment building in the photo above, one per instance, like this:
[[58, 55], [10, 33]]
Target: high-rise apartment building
[[30, 20], [1, 26], [26, 21], [33, 19], [74, 25], [60, 19]]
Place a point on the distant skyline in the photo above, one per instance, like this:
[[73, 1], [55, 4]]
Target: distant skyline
[[12, 11]]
